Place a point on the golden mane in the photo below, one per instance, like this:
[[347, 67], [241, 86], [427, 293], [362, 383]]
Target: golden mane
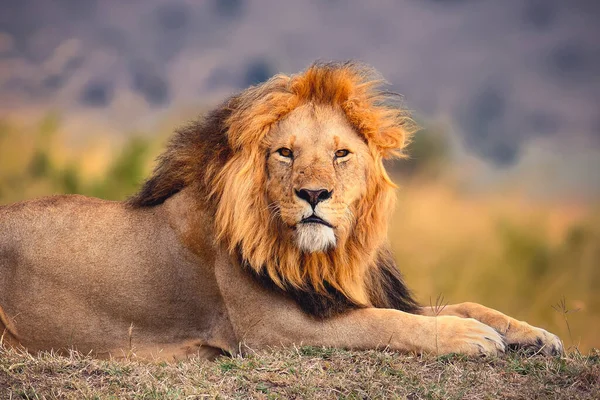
[[224, 157]]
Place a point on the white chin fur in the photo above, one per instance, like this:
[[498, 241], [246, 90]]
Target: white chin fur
[[314, 237]]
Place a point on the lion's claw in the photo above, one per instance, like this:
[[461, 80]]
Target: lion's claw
[[536, 341]]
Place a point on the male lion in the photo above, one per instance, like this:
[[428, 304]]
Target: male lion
[[264, 224]]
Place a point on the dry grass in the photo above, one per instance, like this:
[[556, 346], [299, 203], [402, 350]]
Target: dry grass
[[305, 372]]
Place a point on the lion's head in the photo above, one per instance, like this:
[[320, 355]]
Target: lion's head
[[293, 169], [317, 168]]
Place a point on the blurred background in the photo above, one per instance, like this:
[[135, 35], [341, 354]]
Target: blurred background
[[500, 201]]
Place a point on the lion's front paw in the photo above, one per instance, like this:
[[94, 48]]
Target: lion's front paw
[[531, 338], [466, 336]]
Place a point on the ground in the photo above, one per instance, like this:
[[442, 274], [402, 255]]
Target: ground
[[304, 372]]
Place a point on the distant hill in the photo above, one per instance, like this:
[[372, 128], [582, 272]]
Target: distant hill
[[500, 73]]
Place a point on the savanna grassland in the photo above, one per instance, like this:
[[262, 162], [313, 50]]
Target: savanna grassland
[[537, 260], [303, 373]]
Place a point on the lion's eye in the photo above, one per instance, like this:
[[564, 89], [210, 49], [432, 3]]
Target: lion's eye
[[342, 153], [285, 152]]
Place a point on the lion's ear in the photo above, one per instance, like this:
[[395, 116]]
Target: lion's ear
[[194, 154], [393, 141], [381, 118], [396, 128]]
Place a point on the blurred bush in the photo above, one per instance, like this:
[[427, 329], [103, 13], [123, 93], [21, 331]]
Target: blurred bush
[[126, 172], [428, 155], [36, 162]]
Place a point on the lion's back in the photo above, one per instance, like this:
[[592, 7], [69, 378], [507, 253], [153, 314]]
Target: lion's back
[[35, 223]]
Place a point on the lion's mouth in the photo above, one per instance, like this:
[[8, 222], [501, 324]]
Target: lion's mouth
[[313, 219]]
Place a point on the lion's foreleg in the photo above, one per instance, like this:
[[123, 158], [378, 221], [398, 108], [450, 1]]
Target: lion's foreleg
[[516, 333], [372, 328], [262, 318]]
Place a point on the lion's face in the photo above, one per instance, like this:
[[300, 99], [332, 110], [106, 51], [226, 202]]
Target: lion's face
[[317, 170]]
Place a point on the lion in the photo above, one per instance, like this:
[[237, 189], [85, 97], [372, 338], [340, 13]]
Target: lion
[[264, 224]]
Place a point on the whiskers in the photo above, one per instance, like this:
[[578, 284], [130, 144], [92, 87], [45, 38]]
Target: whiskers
[[341, 212], [274, 211], [348, 216], [338, 214]]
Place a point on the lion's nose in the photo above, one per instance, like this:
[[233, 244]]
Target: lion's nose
[[313, 197]]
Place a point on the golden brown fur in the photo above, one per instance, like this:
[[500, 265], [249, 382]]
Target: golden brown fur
[[218, 248]]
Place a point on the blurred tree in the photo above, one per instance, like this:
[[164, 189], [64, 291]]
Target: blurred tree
[[257, 72], [428, 153], [540, 14], [172, 21], [229, 8], [97, 93], [69, 179], [39, 166], [127, 171], [172, 16], [571, 62], [487, 127], [526, 250], [151, 84]]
